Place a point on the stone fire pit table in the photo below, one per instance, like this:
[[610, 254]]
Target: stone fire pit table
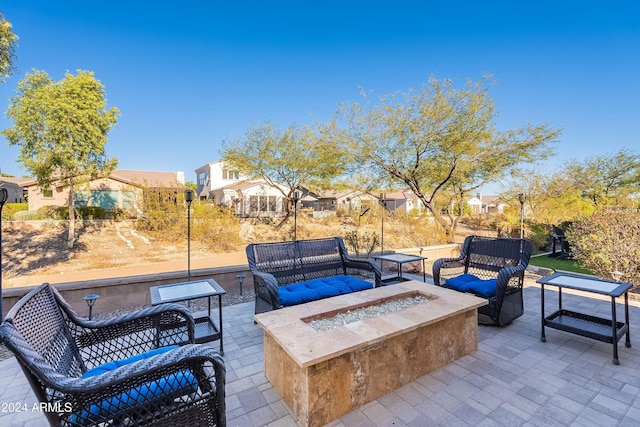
[[323, 375]]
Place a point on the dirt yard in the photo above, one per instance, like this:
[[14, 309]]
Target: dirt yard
[[40, 247]]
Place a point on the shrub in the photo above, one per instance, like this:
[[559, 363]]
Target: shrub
[[608, 241], [11, 208], [115, 213], [28, 216], [362, 242], [90, 212]]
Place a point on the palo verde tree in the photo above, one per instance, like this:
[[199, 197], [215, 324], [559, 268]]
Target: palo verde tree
[[8, 43], [608, 179], [439, 141], [61, 129], [292, 157]]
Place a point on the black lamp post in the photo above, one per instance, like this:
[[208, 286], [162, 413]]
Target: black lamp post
[[91, 300], [240, 277], [296, 197], [383, 205], [188, 197], [521, 198], [4, 195]]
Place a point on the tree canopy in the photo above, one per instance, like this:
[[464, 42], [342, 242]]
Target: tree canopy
[[293, 157], [8, 44], [61, 129], [439, 141]]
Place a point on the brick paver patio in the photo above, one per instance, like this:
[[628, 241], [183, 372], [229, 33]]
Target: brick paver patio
[[513, 379]]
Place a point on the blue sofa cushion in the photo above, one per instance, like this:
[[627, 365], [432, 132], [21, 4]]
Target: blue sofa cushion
[[167, 387], [485, 288], [460, 282], [311, 290]]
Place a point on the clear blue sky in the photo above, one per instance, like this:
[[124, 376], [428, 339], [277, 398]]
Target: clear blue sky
[[188, 75]]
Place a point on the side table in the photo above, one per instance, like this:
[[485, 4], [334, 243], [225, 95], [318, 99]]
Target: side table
[[206, 329], [598, 328], [400, 259]]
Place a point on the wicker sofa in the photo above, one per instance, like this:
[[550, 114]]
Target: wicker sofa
[[492, 268], [139, 369], [295, 272]]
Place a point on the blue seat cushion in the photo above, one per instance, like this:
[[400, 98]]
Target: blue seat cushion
[[485, 288], [167, 387], [311, 290], [460, 282]]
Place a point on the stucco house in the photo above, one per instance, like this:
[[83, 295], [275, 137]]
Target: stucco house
[[485, 204], [122, 188], [248, 197], [16, 192]]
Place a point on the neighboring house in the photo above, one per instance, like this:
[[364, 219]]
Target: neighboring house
[[349, 200], [248, 197], [253, 199], [402, 202], [485, 204], [16, 193], [122, 189], [214, 176]]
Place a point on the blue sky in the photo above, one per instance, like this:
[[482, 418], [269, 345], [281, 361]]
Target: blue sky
[[187, 76]]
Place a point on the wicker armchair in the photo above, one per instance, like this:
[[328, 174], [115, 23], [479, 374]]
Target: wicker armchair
[[138, 369], [504, 261]]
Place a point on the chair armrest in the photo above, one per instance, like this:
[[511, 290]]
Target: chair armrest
[[506, 274], [365, 268], [443, 264], [132, 333], [266, 288], [200, 370]]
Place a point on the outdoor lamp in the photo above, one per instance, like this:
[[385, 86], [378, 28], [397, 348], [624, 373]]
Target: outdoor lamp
[[383, 208], [296, 197], [521, 198], [188, 197], [91, 300], [240, 277], [4, 195]]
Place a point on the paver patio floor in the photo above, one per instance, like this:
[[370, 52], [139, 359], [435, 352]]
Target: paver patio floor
[[513, 379]]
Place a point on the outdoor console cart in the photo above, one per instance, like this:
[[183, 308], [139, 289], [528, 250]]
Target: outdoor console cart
[[598, 328]]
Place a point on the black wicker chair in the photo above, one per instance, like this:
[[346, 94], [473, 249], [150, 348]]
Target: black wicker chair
[[138, 369], [285, 263], [504, 260]]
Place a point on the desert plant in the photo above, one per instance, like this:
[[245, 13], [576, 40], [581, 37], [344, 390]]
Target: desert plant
[[362, 242], [608, 241]]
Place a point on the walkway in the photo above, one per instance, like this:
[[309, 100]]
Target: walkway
[[513, 379]]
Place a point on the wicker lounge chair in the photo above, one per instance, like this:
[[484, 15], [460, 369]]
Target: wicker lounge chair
[[138, 369], [491, 268]]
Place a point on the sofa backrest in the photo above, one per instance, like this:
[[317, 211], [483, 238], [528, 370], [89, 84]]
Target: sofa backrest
[[300, 260]]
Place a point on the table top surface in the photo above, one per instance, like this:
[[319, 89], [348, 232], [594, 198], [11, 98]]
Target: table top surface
[[185, 291], [399, 257], [586, 283]]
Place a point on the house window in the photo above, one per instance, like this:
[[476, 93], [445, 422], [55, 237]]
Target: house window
[[202, 178], [229, 174], [47, 194], [272, 203]]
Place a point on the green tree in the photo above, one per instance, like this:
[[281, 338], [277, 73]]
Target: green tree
[[8, 44], [293, 157], [439, 141], [550, 198], [608, 241], [606, 180], [61, 128]]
